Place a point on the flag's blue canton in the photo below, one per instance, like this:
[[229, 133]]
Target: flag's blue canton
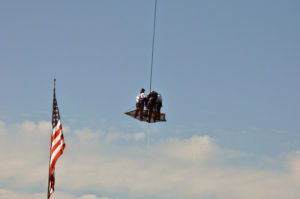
[[55, 113]]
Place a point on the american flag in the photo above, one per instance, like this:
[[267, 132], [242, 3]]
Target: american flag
[[57, 144]]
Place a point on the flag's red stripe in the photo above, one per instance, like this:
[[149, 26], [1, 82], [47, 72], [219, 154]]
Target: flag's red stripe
[[56, 158], [56, 133], [57, 144], [51, 190], [59, 153]]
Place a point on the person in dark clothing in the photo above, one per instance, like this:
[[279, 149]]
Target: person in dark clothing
[[151, 102], [158, 106]]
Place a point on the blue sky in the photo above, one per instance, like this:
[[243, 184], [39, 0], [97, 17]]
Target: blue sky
[[228, 73]]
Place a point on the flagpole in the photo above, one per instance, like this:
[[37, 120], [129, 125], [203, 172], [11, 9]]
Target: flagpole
[[50, 148]]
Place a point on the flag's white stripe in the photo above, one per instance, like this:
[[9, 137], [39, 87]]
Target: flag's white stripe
[[56, 127], [53, 155], [57, 139]]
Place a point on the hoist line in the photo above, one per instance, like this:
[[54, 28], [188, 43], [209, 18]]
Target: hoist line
[[153, 39], [148, 139]]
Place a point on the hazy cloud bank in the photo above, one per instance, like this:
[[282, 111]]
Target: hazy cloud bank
[[195, 167]]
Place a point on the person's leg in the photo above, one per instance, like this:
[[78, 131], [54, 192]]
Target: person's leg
[[136, 111], [141, 110], [150, 113], [158, 111]]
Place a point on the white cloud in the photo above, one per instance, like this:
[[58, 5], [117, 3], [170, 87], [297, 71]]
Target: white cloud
[[9, 194], [112, 136], [193, 149], [177, 168], [3, 130], [42, 127], [294, 164], [87, 135], [90, 196]]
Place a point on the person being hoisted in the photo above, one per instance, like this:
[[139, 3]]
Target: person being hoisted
[[151, 101], [158, 106], [140, 102]]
